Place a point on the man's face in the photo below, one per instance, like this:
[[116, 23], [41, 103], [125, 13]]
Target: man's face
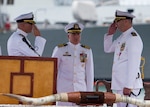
[[121, 24], [74, 37], [28, 27]]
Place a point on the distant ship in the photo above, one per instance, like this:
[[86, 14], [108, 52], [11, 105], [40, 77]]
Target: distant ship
[[90, 12]]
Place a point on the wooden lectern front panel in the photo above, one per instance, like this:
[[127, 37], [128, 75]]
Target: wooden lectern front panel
[[28, 76]]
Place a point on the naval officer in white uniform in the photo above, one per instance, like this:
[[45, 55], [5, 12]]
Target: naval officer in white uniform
[[18, 43], [127, 48], [75, 63]]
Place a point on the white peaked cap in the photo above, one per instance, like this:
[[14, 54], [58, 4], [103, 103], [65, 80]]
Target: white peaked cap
[[29, 16], [74, 27], [124, 14]]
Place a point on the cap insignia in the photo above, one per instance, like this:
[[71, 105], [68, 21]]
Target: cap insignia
[[133, 34], [76, 26]]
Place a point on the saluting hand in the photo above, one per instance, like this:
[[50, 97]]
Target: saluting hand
[[112, 29], [36, 31]]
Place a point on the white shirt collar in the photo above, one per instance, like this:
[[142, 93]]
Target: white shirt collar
[[19, 31], [127, 31], [72, 45]]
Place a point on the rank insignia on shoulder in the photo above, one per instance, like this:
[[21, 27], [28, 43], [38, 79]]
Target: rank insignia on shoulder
[[62, 45], [133, 34], [84, 46]]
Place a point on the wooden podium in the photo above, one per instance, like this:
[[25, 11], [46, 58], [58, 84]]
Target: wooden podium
[[28, 76]]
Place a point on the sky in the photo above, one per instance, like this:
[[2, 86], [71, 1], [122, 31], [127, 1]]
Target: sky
[[134, 2]]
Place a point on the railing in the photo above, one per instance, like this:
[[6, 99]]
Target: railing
[[107, 85]]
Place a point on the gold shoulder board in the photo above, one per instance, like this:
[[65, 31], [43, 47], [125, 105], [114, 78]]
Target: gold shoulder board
[[84, 46], [133, 34], [62, 45]]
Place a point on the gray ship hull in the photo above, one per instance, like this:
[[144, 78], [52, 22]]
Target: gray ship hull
[[93, 37]]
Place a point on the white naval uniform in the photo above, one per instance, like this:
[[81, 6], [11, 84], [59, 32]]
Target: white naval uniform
[[127, 50], [74, 75], [17, 47]]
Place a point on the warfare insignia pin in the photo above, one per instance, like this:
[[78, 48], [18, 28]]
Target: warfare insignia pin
[[66, 54], [122, 47]]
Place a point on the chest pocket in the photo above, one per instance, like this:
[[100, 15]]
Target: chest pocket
[[67, 59]]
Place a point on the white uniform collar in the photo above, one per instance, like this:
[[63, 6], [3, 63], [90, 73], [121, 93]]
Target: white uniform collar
[[127, 31], [19, 31], [72, 45]]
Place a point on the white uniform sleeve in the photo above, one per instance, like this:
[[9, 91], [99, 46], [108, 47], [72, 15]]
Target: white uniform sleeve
[[135, 47], [39, 44], [55, 54], [109, 45], [90, 72], [26, 51]]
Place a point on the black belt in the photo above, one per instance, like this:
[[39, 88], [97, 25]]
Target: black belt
[[137, 94], [134, 95]]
